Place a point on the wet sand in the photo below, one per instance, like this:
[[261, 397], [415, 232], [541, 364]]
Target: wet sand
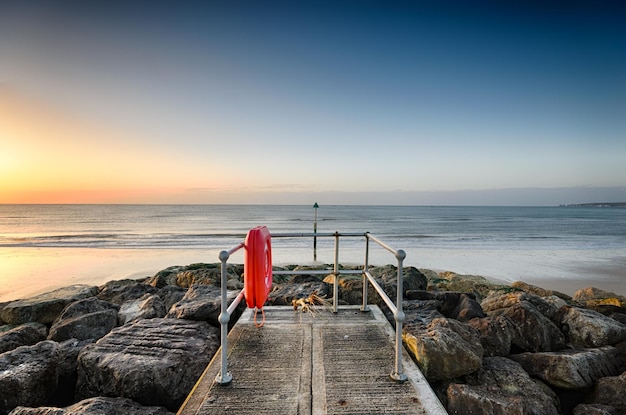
[[565, 270], [24, 273]]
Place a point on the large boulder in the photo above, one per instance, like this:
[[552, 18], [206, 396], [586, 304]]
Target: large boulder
[[592, 296], [28, 375], [351, 285], [96, 406], [456, 305], [45, 308], [299, 287], [571, 369], [443, 348], [617, 315], [467, 308], [120, 291], [419, 314], [604, 302], [496, 334], [90, 318], [171, 294], [501, 387], [502, 301], [475, 284], [532, 318], [165, 277], [351, 290], [197, 274], [412, 278], [201, 303], [541, 292], [610, 391], [155, 362], [68, 364], [12, 337], [148, 306], [588, 328]]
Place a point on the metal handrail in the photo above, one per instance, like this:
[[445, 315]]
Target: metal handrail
[[224, 377]]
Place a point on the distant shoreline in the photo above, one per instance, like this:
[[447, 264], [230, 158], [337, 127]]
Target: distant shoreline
[[598, 204]]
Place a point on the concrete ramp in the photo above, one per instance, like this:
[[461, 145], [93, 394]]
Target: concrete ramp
[[312, 363]]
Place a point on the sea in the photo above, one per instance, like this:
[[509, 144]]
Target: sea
[[44, 247]]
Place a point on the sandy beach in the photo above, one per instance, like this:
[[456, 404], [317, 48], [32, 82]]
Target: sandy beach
[[564, 270], [29, 272]]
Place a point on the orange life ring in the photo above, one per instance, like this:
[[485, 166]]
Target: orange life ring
[[257, 267]]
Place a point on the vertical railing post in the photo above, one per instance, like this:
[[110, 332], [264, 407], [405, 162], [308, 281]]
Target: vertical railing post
[[336, 272], [364, 306], [315, 207], [398, 375], [224, 377]]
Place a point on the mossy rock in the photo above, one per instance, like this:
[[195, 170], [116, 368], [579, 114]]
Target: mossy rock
[[475, 284], [606, 301]]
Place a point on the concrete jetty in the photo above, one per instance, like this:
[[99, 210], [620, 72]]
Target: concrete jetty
[[316, 362]]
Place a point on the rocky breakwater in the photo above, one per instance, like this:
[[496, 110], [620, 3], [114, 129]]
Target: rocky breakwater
[[127, 347], [498, 349], [138, 347]]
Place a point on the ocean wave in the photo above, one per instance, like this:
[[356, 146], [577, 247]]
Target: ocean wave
[[172, 226], [128, 240]]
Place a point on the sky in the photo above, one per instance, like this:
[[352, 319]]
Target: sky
[[368, 102]]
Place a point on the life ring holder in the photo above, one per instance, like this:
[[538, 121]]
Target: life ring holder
[[257, 270]]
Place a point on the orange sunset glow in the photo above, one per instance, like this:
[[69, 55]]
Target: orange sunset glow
[[51, 157]]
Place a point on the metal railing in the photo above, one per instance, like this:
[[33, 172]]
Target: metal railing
[[224, 377]]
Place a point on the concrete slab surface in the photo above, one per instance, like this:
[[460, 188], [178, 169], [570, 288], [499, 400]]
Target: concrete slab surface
[[314, 362]]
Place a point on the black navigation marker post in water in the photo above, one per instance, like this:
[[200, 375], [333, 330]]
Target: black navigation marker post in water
[[315, 207]]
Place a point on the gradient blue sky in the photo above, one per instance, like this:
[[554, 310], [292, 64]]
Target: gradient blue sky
[[505, 103]]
